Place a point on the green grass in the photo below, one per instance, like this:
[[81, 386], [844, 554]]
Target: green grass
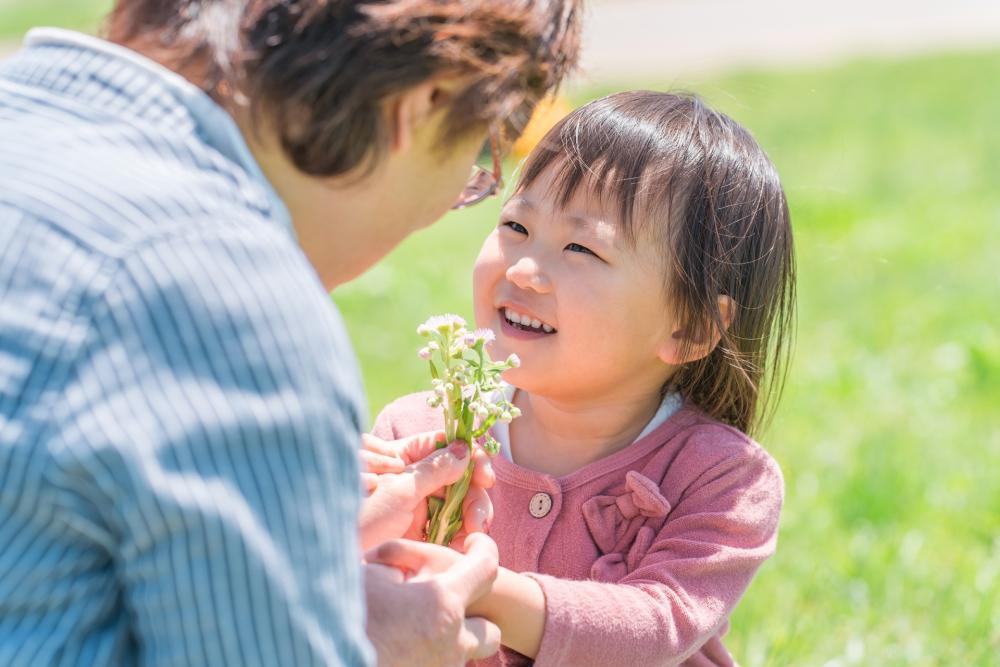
[[888, 433], [17, 16]]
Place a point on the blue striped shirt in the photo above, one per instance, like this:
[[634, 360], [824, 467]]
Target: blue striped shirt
[[179, 403]]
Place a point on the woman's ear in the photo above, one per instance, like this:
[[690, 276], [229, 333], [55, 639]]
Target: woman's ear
[[685, 346], [408, 112]]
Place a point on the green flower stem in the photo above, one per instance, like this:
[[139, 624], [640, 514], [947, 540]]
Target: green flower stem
[[448, 519]]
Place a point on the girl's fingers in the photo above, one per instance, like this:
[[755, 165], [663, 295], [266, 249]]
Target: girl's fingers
[[420, 446], [477, 510], [380, 463], [416, 529], [482, 474], [371, 443], [369, 482]]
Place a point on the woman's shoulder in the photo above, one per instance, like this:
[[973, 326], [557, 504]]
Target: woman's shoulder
[[407, 415]]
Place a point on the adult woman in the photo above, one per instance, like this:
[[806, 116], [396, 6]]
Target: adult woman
[[179, 406]]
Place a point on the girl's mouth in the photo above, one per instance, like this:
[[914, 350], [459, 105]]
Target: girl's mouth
[[521, 326]]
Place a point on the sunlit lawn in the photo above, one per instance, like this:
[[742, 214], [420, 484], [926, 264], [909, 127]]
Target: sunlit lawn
[[889, 433]]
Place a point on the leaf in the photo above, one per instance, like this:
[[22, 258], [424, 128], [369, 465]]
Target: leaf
[[434, 371]]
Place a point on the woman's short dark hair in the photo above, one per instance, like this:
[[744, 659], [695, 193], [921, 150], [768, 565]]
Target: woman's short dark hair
[[697, 184], [319, 70]]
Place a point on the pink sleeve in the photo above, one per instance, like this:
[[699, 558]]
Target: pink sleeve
[[683, 589], [382, 428], [406, 416]]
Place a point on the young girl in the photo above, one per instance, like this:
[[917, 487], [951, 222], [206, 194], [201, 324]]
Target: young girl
[[643, 272]]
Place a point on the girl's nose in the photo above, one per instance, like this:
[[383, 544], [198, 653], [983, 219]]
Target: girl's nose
[[527, 274]]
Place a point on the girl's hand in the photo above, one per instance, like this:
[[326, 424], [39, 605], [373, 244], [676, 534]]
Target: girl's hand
[[388, 465]]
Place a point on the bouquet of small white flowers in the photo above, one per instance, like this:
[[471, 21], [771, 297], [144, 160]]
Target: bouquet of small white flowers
[[466, 385]]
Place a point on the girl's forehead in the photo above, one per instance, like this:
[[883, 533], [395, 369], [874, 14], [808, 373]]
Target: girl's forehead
[[585, 203]]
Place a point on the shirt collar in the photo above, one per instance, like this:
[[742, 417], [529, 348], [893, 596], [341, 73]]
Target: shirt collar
[[215, 126]]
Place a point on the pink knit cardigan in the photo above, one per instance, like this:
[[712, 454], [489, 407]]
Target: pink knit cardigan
[[641, 555]]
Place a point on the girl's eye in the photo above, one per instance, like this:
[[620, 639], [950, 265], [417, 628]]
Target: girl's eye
[[516, 226], [576, 247]]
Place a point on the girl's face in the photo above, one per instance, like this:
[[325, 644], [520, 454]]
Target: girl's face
[[562, 289]]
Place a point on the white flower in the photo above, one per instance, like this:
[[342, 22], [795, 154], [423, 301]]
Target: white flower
[[485, 335], [506, 417], [444, 323], [514, 361], [424, 353]]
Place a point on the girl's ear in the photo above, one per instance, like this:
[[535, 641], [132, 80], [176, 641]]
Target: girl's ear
[[685, 346], [408, 112]]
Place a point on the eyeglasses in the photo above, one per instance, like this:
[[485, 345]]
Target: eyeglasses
[[482, 184]]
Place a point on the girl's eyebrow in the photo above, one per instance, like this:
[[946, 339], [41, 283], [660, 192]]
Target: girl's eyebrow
[[583, 221], [520, 202]]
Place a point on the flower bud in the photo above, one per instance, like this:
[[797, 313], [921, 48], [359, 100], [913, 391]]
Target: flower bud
[[424, 353], [514, 361]]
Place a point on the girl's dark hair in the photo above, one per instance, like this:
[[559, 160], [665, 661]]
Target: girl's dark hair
[[693, 180], [320, 69]]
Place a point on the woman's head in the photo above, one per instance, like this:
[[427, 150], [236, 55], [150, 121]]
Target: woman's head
[[688, 279], [321, 70], [365, 115]]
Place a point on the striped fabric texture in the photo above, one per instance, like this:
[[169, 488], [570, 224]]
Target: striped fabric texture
[[179, 404]]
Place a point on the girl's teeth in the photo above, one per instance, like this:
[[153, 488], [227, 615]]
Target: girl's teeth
[[526, 321]]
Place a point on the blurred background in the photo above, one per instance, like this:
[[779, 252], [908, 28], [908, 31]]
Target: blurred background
[[882, 118]]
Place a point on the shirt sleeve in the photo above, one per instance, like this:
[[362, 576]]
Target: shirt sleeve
[[213, 421], [682, 591]]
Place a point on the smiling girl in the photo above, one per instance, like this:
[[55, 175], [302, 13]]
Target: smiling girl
[[643, 272]]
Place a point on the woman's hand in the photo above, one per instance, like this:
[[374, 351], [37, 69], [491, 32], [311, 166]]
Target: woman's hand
[[418, 595], [401, 474]]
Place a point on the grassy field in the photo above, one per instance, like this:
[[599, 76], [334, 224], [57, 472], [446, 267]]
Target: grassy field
[[17, 16], [889, 432]]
